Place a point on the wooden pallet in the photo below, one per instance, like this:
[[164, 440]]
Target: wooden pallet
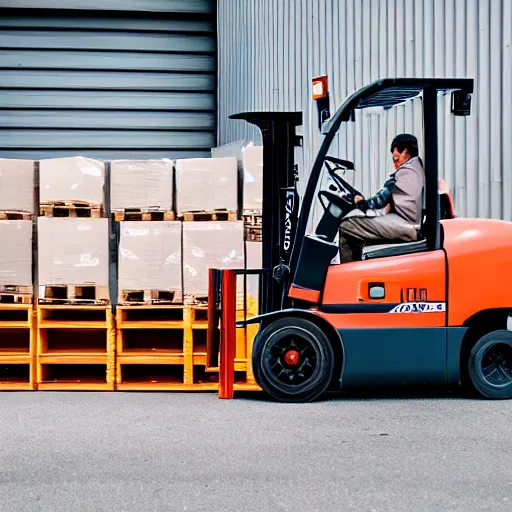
[[197, 300], [170, 358], [74, 294], [75, 348], [14, 294], [219, 215], [71, 209], [252, 226], [161, 317], [252, 218], [253, 233], [17, 348], [14, 215], [137, 297], [16, 298], [139, 214]]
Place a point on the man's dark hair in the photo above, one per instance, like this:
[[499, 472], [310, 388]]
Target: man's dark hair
[[405, 141]]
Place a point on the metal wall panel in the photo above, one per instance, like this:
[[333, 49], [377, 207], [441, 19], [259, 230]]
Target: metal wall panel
[[270, 49], [126, 82], [174, 6]]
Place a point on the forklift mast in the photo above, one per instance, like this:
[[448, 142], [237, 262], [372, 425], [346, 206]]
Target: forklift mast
[[280, 200]]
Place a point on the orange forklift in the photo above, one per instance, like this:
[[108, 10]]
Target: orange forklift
[[434, 311]]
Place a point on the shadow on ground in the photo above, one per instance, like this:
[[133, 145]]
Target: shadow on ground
[[381, 393]]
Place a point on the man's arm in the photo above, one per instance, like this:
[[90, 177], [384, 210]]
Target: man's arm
[[382, 198]]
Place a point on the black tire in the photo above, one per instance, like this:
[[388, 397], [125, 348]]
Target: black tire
[[490, 365], [308, 376]]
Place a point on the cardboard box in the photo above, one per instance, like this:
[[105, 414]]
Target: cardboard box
[[253, 178], [16, 252], [150, 256], [73, 251], [72, 179], [141, 184], [210, 245], [206, 184], [17, 185]]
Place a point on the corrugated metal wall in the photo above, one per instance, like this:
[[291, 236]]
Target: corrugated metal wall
[[107, 79], [270, 49]]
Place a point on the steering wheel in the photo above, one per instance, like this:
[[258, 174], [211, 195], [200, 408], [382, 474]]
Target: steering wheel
[[342, 201], [344, 165]]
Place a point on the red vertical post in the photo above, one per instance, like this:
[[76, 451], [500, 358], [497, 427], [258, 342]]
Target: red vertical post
[[211, 346], [228, 335]]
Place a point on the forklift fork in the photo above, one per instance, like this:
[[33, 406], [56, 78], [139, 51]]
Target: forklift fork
[[222, 321]]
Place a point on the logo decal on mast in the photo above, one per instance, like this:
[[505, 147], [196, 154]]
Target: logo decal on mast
[[289, 207]]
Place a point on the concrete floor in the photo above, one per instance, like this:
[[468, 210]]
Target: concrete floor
[[74, 452]]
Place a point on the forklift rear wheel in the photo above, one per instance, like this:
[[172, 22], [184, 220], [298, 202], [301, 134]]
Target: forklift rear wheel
[[490, 365], [293, 360]]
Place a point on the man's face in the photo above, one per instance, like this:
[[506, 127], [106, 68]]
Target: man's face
[[400, 158]]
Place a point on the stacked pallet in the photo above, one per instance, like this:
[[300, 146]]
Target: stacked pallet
[[17, 336], [149, 252], [206, 189], [163, 348], [163, 267], [75, 331], [167, 239], [141, 190], [150, 326], [75, 347]]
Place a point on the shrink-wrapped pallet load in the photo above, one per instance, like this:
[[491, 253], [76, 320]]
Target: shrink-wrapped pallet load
[[72, 179], [17, 185], [150, 258], [144, 184], [73, 251], [207, 245], [253, 178], [206, 184], [15, 253], [253, 255]]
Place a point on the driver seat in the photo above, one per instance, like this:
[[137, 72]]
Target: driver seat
[[384, 249]]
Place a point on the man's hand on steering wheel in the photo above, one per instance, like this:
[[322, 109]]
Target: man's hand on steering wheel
[[361, 203]]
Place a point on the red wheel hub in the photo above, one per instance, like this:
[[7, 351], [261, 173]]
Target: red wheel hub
[[291, 357]]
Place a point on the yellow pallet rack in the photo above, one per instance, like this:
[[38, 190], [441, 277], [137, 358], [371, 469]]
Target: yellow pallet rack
[[75, 348], [17, 347], [162, 348]]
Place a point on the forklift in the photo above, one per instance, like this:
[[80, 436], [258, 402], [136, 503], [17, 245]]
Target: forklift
[[436, 311]]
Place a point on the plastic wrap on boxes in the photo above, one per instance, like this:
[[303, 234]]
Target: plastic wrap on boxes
[[234, 148], [253, 256], [141, 184], [73, 251], [17, 185], [72, 179], [210, 245], [150, 256], [16, 252], [206, 184], [253, 178]]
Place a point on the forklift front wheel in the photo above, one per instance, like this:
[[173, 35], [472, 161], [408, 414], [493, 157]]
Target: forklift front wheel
[[293, 360], [490, 365]]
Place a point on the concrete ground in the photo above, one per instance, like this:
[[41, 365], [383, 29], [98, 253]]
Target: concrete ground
[[74, 452]]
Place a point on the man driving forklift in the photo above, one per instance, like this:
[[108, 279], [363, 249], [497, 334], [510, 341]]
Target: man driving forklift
[[400, 202]]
